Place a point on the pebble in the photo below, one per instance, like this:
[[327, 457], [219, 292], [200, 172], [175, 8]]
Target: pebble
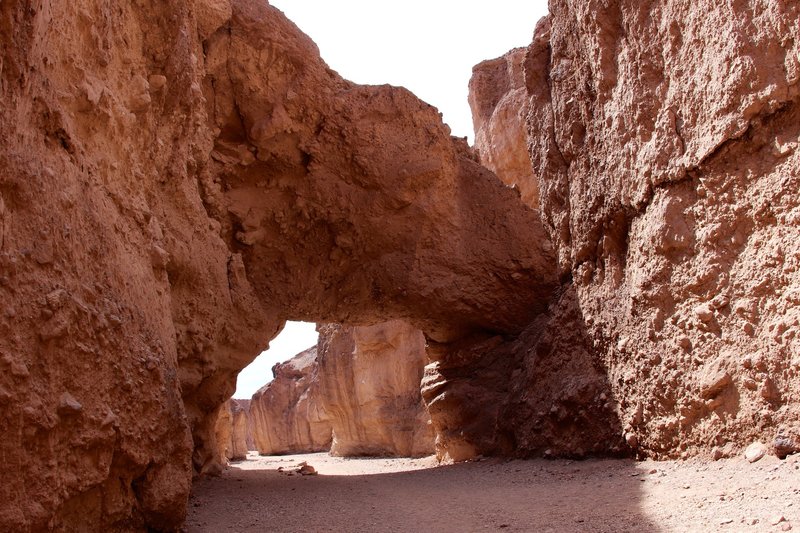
[[755, 451], [69, 405]]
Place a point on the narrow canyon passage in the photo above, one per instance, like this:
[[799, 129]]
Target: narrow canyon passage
[[401, 495]]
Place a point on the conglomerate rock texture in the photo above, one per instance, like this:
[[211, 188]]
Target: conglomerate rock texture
[[664, 138], [176, 180], [285, 415]]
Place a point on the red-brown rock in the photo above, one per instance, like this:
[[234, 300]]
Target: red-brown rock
[[498, 99], [286, 416], [668, 182], [176, 180]]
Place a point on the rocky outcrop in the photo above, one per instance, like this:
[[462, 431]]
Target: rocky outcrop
[[498, 100], [178, 178], [668, 182], [285, 415], [247, 436], [369, 386]]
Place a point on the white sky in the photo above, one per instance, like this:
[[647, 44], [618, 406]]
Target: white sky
[[427, 46], [295, 337]]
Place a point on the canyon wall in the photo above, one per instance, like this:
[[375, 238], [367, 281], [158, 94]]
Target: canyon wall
[[668, 178], [230, 433], [285, 415], [176, 180], [369, 387], [179, 178], [498, 100], [357, 393]]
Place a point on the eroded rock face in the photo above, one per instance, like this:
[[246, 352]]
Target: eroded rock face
[[242, 437], [369, 386], [498, 100], [176, 179], [286, 416], [117, 291], [669, 184], [540, 393], [356, 394], [231, 432], [338, 181]]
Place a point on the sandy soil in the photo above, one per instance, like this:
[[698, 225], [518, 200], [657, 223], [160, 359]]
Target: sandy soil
[[498, 495]]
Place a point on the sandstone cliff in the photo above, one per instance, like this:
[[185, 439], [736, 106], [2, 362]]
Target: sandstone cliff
[[668, 178], [369, 386], [231, 433], [285, 415], [356, 394], [176, 180], [240, 428]]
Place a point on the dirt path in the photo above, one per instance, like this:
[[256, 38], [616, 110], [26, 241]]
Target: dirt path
[[399, 495]]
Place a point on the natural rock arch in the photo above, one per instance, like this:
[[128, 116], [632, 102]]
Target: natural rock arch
[[182, 178]]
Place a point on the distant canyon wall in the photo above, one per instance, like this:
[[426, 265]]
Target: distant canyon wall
[[357, 393], [286, 416]]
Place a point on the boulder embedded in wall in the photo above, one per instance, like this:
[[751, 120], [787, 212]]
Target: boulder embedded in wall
[[669, 184], [498, 100], [369, 386], [286, 416], [540, 393]]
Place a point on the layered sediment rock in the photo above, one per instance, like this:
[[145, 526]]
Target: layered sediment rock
[[285, 415], [176, 179], [231, 432], [669, 184], [369, 386]]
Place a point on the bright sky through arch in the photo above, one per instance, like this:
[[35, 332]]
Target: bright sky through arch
[[427, 46]]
